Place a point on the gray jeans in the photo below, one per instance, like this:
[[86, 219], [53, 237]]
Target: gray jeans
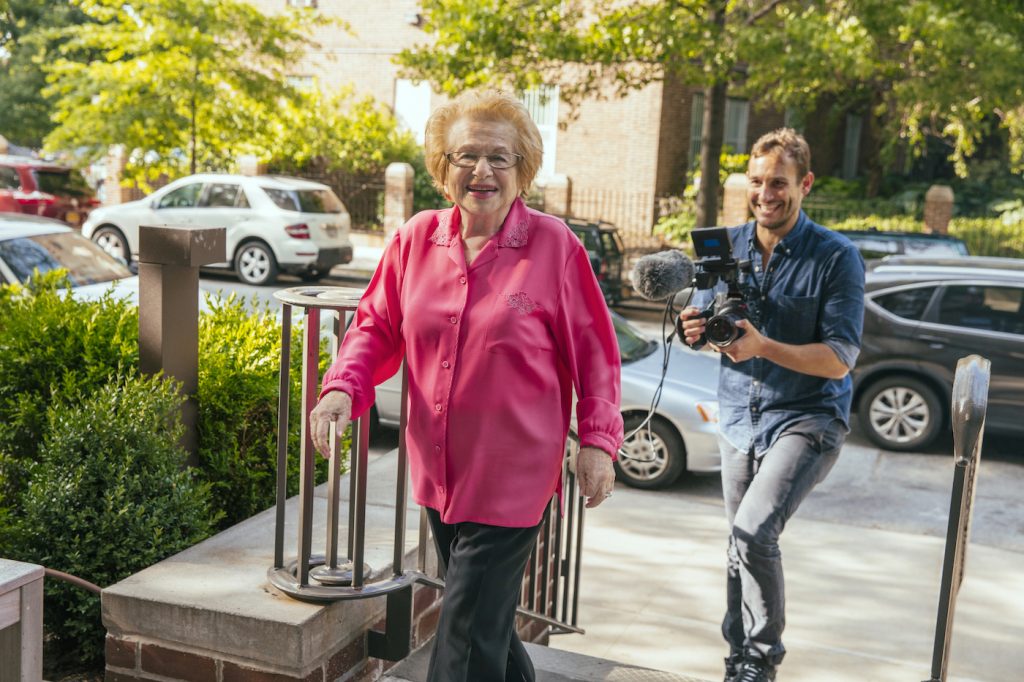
[[761, 493]]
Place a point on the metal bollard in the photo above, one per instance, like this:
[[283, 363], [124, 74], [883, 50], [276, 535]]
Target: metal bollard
[[324, 578], [970, 402]]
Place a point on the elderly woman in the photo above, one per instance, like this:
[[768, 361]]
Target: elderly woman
[[498, 315]]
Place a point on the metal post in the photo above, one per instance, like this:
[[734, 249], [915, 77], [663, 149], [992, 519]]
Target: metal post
[[310, 381], [970, 402], [283, 405]]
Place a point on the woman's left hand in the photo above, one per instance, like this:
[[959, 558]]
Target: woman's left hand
[[596, 475]]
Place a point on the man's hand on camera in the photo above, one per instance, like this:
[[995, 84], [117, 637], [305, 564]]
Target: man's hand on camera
[[691, 324], [335, 407], [596, 475], [751, 344]]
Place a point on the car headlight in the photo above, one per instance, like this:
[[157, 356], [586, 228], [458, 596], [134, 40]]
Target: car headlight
[[708, 411]]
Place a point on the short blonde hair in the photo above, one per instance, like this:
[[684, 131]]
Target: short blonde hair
[[484, 105], [790, 143]]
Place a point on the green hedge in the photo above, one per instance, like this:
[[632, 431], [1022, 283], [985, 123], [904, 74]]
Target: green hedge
[[239, 375], [92, 481], [109, 495]]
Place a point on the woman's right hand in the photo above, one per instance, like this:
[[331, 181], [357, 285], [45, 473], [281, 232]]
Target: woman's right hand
[[335, 407]]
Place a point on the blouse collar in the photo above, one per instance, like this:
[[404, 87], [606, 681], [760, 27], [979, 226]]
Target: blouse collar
[[514, 232]]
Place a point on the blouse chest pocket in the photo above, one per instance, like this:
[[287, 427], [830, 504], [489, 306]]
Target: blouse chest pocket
[[795, 319], [519, 325]]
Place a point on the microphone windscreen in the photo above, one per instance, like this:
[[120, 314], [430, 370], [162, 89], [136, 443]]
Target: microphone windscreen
[[660, 275]]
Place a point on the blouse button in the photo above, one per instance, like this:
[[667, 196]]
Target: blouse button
[[462, 280], [445, 364], [437, 407], [453, 319]]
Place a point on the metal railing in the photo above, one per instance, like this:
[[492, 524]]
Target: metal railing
[[970, 402], [553, 576]]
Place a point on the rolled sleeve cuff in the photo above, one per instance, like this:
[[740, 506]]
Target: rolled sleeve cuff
[[600, 425], [846, 352]]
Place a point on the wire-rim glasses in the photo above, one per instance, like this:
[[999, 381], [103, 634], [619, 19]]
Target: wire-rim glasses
[[497, 160]]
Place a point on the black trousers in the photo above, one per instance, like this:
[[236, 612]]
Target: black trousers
[[476, 638]]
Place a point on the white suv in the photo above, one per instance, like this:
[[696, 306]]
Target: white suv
[[274, 224]]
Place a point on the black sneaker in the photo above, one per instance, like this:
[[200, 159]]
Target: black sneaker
[[755, 671], [732, 667]]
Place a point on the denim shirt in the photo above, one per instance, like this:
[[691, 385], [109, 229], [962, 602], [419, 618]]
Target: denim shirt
[[812, 291]]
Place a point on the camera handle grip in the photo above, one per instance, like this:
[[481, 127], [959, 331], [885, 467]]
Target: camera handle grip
[[703, 340]]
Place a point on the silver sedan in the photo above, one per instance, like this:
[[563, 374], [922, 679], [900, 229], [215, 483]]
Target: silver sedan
[[681, 434]]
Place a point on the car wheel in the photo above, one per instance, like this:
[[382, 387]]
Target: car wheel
[[112, 240], [653, 457], [255, 264], [900, 413]]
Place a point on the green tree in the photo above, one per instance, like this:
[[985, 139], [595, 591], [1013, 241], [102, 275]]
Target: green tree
[[24, 111], [915, 66], [920, 70], [338, 132], [185, 85]]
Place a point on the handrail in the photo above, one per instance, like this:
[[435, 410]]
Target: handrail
[[969, 405], [322, 578]]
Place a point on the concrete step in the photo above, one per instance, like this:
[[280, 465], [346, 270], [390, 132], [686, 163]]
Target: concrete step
[[552, 665]]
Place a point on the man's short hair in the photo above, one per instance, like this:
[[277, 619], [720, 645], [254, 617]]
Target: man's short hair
[[789, 142]]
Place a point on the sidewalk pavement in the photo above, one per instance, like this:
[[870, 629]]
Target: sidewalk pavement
[[861, 602]]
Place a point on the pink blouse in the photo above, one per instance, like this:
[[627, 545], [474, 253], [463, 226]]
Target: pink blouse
[[495, 351]]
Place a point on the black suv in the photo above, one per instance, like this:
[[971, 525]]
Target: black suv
[[607, 254], [874, 243], [921, 315]]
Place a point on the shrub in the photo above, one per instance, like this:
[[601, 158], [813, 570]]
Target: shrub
[[53, 347], [239, 351], [106, 502]]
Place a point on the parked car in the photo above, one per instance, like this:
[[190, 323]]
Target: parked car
[[681, 436], [43, 188], [274, 224], [607, 254], [921, 316], [874, 243], [30, 243]]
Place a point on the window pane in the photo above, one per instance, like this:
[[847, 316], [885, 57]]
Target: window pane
[[65, 183], [220, 195], [183, 197], [305, 200], [85, 262], [979, 307], [9, 178], [909, 303]]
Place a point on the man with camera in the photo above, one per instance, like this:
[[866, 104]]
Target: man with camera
[[785, 309]]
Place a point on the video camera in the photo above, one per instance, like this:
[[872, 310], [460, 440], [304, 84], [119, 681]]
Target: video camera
[[716, 263]]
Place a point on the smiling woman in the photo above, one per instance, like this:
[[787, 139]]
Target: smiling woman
[[498, 316]]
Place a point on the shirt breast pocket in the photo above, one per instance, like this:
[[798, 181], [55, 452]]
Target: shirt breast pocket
[[519, 325], [796, 319]]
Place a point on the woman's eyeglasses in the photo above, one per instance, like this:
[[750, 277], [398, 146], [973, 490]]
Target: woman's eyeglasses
[[499, 161]]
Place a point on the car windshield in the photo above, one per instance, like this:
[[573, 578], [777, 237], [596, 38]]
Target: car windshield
[[632, 344], [305, 200], [62, 182], [85, 262]]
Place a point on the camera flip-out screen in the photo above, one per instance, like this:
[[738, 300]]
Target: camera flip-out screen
[[711, 242]]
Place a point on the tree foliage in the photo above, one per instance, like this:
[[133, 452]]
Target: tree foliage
[[918, 68], [340, 132], [182, 84], [24, 111]]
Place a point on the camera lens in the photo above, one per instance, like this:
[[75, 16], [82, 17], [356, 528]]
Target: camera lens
[[721, 330]]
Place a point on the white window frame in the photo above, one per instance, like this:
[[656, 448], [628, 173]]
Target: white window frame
[[542, 103]]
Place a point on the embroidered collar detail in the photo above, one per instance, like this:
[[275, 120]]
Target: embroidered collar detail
[[515, 236], [443, 234]]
